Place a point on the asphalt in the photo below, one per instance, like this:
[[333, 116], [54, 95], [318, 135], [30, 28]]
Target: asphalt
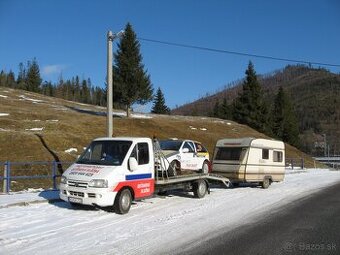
[[307, 226]]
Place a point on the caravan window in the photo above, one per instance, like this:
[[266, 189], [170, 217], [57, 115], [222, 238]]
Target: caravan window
[[278, 156], [225, 153], [265, 154]]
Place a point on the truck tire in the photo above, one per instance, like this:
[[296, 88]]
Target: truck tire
[[200, 188], [205, 167], [266, 183], [123, 201]]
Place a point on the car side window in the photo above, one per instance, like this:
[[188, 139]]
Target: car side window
[[200, 148], [190, 146]]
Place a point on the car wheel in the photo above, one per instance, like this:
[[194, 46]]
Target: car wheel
[[205, 168], [174, 168]]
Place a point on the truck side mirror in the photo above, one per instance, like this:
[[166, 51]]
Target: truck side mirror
[[133, 164], [185, 150]]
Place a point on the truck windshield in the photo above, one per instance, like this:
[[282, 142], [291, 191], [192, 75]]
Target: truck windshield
[[105, 153], [229, 153], [170, 145]]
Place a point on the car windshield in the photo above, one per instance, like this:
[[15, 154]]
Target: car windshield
[[170, 145], [105, 153], [230, 153]]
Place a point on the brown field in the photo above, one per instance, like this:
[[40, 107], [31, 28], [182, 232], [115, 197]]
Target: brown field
[[68, 124]]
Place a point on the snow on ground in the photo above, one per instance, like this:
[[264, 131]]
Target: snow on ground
[[70, 150], [3, 96], [158, 225], [3, 114], [35, 129], [23, 97]]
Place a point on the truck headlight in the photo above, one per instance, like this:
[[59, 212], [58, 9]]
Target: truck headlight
[[98, 183], [63, 180]]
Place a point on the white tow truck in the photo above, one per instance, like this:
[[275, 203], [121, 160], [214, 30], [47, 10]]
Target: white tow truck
[[112, 172]]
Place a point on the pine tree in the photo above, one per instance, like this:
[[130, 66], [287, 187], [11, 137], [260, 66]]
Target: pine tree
[[285, 125], [11, 79], [3, 79], [159, 106], [33, 79], [131, 81], [249, 107], [216, 110], [225, 110], [21, 81]]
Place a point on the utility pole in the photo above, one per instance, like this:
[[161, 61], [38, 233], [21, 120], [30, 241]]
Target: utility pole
[[109, 117]]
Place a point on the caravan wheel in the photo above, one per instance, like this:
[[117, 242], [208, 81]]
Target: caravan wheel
[[266, 183]]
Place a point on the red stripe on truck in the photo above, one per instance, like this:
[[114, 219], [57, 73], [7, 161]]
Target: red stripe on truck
[[141, 188]]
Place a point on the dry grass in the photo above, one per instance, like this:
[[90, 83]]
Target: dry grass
[[72, 125]]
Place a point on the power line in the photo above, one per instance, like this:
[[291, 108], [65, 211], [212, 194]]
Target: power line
[[237, 53]]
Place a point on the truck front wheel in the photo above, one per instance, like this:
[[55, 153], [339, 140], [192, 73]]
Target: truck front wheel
[[200, 188], [123, 202]]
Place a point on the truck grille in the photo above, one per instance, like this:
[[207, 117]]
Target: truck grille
[[77, 184], [76, 193]]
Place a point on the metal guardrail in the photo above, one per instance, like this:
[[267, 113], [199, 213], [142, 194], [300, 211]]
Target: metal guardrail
[[295, 162], [12, 171]]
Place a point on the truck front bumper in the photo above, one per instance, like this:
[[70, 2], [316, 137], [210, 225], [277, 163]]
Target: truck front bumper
[[87, 196]]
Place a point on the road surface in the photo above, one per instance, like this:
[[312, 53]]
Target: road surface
[[308, 226]]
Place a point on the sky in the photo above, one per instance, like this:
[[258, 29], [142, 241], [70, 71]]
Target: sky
[[68, 37]]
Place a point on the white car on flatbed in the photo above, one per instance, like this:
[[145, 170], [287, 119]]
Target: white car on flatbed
[[186, 155]]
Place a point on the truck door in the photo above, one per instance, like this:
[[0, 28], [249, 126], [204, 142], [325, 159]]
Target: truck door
[[189, 159], [141, 153], [141, 178]]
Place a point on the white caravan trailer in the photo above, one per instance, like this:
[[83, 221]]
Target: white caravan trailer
[[250, 160]]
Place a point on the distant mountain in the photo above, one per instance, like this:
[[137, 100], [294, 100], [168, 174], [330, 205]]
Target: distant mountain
[[315, 94]]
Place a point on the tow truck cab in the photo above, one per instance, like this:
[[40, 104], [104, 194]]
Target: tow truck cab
[[111, 173]]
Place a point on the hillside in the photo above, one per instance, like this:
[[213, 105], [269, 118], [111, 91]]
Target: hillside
[[315, 94], [34, 127]]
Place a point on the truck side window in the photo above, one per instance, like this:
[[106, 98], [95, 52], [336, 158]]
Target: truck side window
[[277, 156], [190, 146], [265, 154], [143, 153]]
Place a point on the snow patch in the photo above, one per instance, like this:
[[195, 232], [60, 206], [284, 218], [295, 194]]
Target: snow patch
[[203, 129], [3, 96], [70, 150], [23, 97], [52, 120], [35, 129], [3, 114]]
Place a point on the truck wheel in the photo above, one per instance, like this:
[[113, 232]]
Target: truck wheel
[[205, 168], [123, 202], [266, 183], [200, 188]]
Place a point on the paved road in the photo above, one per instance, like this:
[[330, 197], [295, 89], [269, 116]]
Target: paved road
[[308, 226]]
